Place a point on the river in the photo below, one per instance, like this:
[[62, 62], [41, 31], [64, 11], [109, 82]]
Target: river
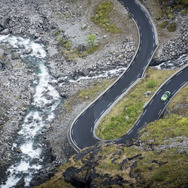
[[41, 112]]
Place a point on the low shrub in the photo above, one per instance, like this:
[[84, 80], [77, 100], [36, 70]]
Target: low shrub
[[171, 27], [163, 24]]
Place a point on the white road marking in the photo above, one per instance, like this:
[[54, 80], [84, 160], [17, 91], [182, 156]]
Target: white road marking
[[91, 129], [72, 131], [131, 83], [183, 83], [145, 112], [95, 121], [124, 90], [109, 104], [116, 97], [159, 91], [108, 90], [102, 112], [138, 121], [151, 101], [130, 132], [174, 92], [76, 121], [100, 98], [159, 112], [115, 84], [179, 73], [168, 81], [75, 142], [128, 69]]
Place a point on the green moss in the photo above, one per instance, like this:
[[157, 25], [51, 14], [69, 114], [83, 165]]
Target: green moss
[[62, 42], [184, 11], [163, 24], [171, 27], [102, 17], [151, 84], [58, 32]]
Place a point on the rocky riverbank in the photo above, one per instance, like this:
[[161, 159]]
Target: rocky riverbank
[[15, 96], [45, 22]]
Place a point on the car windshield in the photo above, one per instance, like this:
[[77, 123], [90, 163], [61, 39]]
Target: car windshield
[[165, 95]]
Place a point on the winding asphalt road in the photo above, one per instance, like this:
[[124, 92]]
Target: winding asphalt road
[[81, 132]]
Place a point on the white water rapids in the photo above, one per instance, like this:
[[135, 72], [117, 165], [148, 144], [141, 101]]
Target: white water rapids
[[42, 112]]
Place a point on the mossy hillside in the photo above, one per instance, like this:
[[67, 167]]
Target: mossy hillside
[[170, 127], [124, 114], [135, 167], [102, 14]]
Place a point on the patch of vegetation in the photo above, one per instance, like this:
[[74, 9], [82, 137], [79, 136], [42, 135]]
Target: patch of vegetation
[[163, 24], [151, 83], [170, 7], [171, 27], [184, 11], [102, 17], [163, 129], [91, 39], [62, 42], [123, 115], [81, 51], [90, 93], [178, 104]]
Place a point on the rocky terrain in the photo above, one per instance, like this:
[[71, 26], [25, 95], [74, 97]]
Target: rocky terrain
[[50, 22]]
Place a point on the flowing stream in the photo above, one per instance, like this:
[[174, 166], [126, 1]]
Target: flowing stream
[[172, 64], [42, 111]]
